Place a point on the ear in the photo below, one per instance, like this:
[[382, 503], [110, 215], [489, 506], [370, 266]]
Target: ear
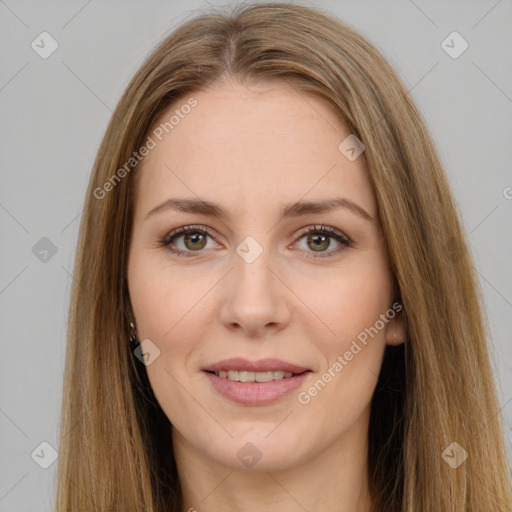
[[395, 331]]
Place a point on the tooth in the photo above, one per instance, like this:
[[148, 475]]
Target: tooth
[[233, 375], [247, 376], [264, 376]]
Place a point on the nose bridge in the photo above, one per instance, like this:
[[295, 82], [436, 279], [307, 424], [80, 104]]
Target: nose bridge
[[252, 262], [254, 297]]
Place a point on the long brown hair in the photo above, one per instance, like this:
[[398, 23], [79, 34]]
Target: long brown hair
[[434, 390]]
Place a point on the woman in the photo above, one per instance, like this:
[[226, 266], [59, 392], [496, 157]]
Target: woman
[[274, 305]]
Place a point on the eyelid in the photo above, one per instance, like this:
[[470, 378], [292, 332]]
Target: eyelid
[[323, 228], [183, 230]]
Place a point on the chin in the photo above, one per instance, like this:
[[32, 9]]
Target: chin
[[260, 452]]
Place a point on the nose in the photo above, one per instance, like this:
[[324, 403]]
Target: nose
[[255, 300]]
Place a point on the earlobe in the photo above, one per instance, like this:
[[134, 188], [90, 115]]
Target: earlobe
[[134, 341], [395, 332]]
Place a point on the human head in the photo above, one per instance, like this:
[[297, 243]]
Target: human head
[[416, 408], [261, 148]]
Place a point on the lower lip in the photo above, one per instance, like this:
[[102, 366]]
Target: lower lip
[[256, 393]]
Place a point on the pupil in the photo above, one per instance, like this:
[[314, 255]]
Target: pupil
[[318, 240], [195, 238]]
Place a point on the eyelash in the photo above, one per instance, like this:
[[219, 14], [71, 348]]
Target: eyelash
[[324, 230]]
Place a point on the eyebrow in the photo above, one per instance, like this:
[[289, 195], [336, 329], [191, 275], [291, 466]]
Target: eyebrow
[[292, 210]]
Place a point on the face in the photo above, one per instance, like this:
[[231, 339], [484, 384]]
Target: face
[[256, 287]]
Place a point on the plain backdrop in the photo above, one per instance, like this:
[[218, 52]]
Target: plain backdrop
[[53, 113]]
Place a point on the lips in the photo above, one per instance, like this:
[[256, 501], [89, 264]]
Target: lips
[[263, 365], [253, 385]]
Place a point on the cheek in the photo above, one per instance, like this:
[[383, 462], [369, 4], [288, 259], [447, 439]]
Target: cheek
[[166, 302], [358, 294], [347, 301], [352, 352], [164, 297]]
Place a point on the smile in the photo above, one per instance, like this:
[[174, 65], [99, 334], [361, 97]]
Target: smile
[[254, 383]]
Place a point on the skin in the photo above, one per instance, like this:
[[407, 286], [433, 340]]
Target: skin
[[253, 150]]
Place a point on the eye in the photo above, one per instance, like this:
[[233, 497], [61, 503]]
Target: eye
[[195, 239], [318, 237]]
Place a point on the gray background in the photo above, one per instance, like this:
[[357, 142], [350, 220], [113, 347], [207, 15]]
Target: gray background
[[53, 115]]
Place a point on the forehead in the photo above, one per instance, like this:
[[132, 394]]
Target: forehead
[[264, 144]]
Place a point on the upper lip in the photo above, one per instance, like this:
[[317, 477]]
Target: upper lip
[[263, 365]]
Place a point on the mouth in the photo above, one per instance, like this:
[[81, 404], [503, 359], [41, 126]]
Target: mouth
[[255, 383], [246, 376]]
